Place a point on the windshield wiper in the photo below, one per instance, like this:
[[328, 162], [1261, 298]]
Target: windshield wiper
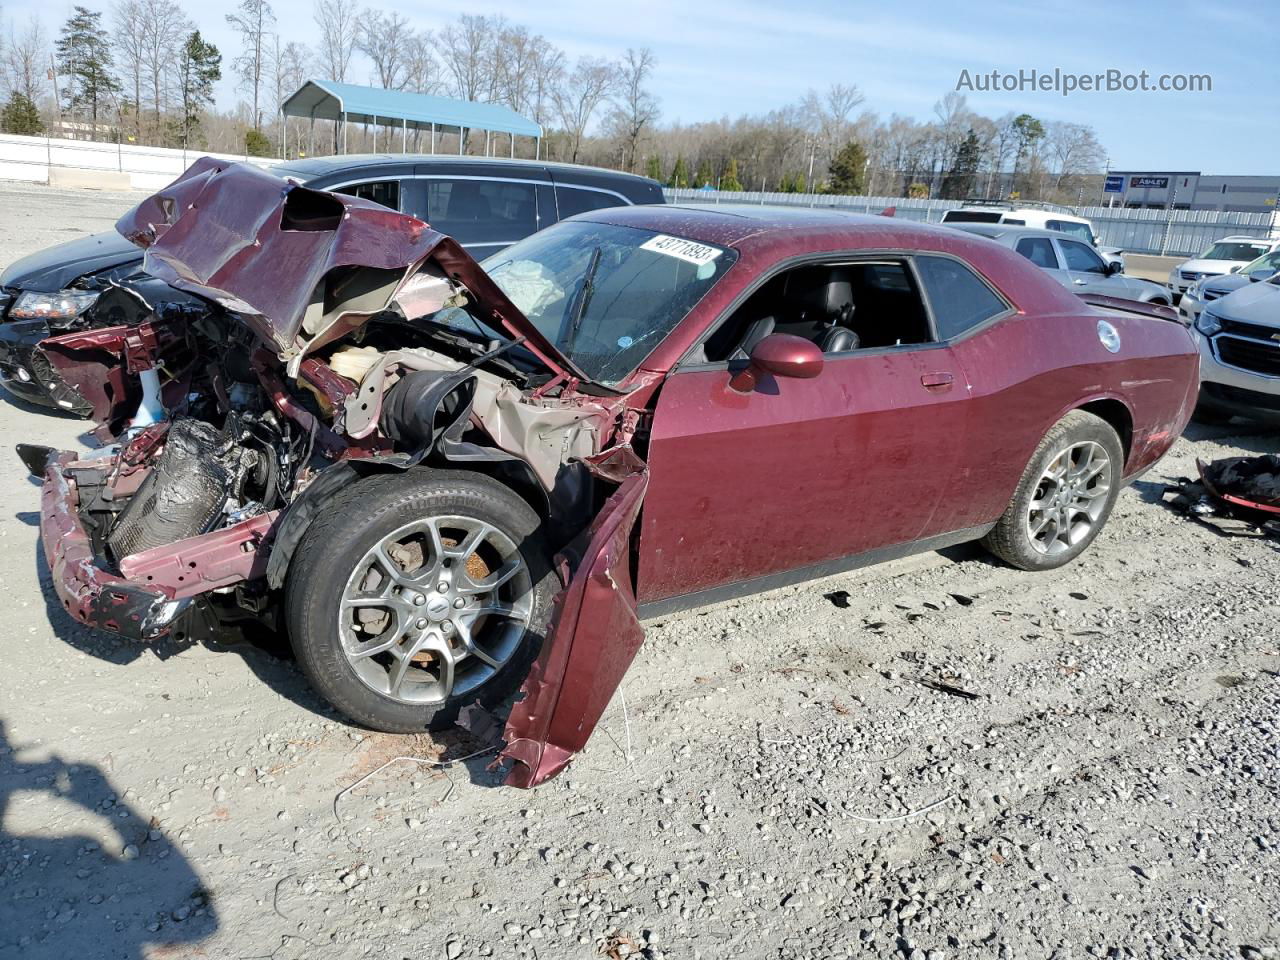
[[578, 309]]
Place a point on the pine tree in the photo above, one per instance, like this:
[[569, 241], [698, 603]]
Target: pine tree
[[730, 179], [679, 173], [959, 181], [653, 167], [704, 175], [84, 60], [199, 68], [256, 144], [20, 116], [848, 168]]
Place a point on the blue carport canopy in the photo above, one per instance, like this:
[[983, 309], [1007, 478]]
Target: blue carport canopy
[[341, 102]]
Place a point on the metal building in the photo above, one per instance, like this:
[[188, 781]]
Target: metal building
[[1189, 190], [401, 112]]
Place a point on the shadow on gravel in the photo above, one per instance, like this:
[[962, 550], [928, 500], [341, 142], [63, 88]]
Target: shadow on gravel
[[1237, 435], [107, 883]]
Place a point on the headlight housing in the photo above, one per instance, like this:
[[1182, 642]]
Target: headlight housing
[[1208, 324], [62, 305]]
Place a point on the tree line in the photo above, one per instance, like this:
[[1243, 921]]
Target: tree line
[[141, 71]]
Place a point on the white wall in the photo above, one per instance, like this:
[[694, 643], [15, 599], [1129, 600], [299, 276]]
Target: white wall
[[108, 166]]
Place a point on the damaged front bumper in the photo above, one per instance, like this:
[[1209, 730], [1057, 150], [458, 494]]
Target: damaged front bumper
[[158, 584]]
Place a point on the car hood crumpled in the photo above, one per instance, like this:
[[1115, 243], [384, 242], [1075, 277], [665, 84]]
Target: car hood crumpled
[[305, 267]]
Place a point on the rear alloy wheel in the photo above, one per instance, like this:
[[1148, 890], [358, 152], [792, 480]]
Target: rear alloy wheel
[[416, 594], [1065, 496]]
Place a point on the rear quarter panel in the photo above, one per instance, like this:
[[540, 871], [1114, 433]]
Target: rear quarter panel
[[1026, 372]]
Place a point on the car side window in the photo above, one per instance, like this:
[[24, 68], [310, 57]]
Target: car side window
[[1081, 231], [960, 300], [1039, 250], [480, 212], [571, 200], [1082, 258], [855, 305], [385, 192]]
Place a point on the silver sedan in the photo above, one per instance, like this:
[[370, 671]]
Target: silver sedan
[[1076, 265]]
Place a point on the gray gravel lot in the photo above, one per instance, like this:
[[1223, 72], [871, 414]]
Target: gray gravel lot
[[1112, 791]]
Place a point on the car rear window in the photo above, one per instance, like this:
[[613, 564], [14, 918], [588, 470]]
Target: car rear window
[[1081, 231], [971, 216], [960, 300]]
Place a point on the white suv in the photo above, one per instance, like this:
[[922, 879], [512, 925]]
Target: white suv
[[1043, 216], [1225, 256]]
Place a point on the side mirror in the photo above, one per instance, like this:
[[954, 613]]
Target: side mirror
[[1114, 267], [1262, 273], [1235, 269], [781, 355], [786, 355]]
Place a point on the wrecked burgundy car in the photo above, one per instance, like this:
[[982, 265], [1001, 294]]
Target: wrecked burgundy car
[[447, 482]]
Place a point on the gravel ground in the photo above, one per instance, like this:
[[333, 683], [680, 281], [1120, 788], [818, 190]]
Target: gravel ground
[[777, 783]]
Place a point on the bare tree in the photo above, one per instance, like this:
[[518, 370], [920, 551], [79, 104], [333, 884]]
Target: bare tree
[[288, 71], [128, 32], [547, 75], [588, 86], [1075, 151], [467, 47], [636, 108], [338, 34], [164, 28], [384, 39], [25, 60], [421, 69], [253, 21]]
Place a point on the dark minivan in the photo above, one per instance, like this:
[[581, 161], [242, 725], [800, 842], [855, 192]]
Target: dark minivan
[[484, 203]]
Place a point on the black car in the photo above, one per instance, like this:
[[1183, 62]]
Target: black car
[[483, 203]]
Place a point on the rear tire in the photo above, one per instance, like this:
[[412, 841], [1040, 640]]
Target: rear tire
[[403, 650], [1065, 496]]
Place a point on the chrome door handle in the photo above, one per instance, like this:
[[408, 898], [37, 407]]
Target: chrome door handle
[[937, 381], [1082, 283]]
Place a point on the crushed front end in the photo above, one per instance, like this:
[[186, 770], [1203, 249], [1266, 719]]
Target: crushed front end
[[235, 423]]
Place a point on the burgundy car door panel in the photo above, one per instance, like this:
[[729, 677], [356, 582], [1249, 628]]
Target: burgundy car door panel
[[796, 473], [593, 637]]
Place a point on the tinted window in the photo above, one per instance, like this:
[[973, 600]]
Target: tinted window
[[959, 299], [385, 192], [970, 216], [572, 200], [1080, 257], [1014, 222], [1039, 250], [482, 211], [1234, 250]]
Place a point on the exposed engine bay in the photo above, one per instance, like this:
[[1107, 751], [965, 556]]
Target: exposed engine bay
[[235, 424]]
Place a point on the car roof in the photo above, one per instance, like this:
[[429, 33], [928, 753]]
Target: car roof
[[315, 167], [1011, 230], [1006, 210]]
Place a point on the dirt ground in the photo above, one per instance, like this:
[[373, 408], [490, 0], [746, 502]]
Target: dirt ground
[[774, 780]]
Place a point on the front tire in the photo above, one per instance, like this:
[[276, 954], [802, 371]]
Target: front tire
[[1065, 496], [416, 594]]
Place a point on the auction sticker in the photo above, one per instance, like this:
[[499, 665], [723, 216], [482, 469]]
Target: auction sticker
[[681, 249]]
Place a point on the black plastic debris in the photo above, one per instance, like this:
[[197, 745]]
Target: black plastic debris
[[1236, 496], [838, 597], [948, 689]]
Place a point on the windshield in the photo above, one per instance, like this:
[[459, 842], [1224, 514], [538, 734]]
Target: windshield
[[606, 295], [1234, 250], [1268, 261]]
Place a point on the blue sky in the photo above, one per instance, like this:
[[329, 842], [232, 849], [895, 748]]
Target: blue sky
[[726, 57]]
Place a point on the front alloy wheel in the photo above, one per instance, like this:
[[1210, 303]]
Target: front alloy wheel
[[435, 609], [412, 595]]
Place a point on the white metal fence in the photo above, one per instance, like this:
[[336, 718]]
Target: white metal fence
[[146, 168], [1171, 232]]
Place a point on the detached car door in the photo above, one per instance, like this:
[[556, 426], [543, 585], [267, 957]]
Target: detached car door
[[795, 476]]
